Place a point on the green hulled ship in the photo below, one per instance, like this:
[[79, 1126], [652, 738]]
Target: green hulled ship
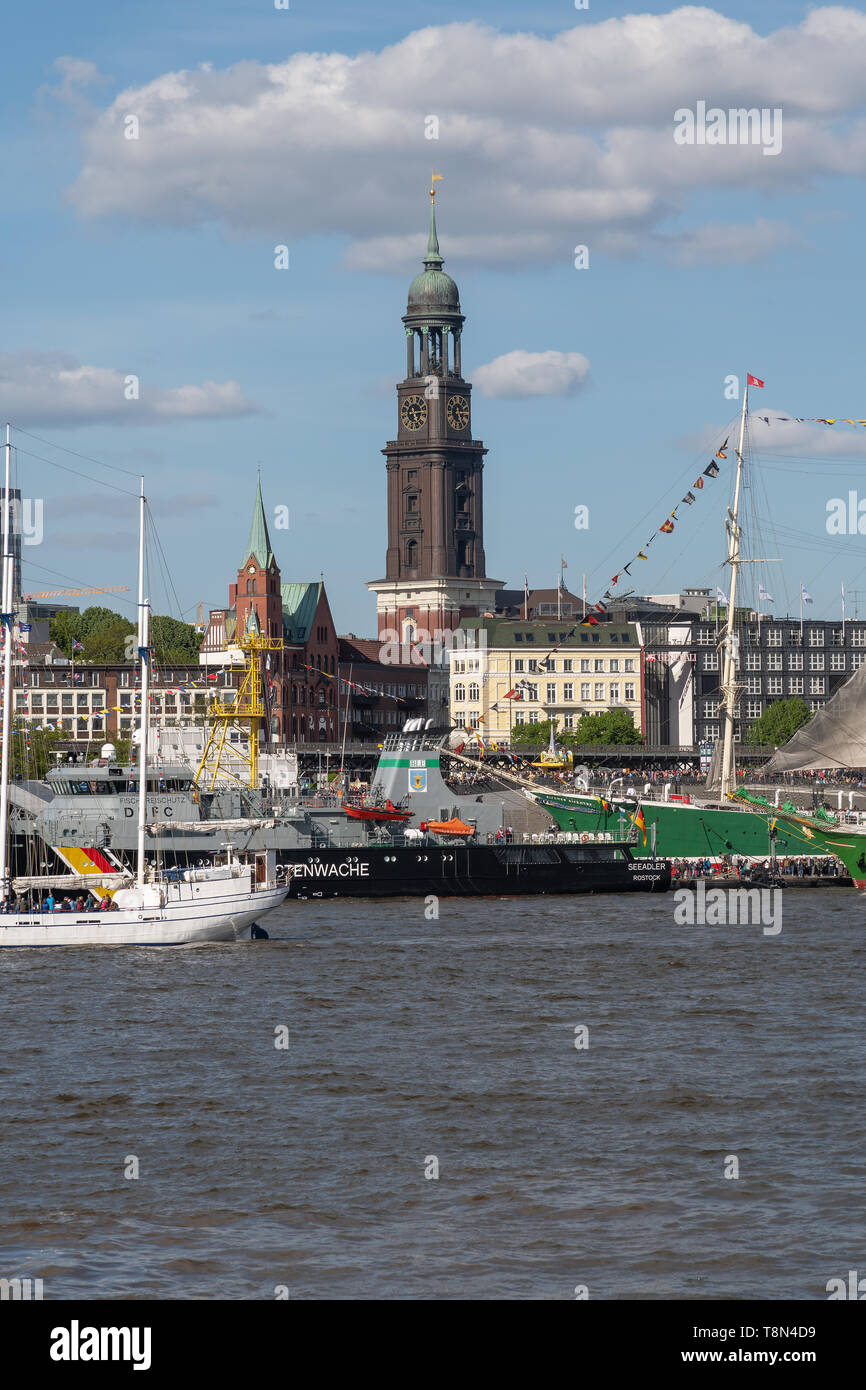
[[682, 830]]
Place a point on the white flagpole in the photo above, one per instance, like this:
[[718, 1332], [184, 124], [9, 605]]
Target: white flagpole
[[801, 615]]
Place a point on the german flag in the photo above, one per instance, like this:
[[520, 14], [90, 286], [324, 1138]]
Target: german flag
[[638, 820]]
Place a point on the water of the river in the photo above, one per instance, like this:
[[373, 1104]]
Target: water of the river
[[413, 1043]]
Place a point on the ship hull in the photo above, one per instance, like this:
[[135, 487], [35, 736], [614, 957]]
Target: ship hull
[[470, 871], [682, 831]]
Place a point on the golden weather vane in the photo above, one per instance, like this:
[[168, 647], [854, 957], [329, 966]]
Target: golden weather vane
[[433, 178]]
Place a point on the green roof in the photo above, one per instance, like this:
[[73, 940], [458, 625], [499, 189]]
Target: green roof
[[502, 632], [259, 543], [300, 602], [432, 291]]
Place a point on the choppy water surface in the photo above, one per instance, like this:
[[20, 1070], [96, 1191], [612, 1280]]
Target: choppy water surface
[[411, 1039]]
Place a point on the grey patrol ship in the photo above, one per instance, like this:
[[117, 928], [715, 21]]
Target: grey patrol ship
[[86, 814]]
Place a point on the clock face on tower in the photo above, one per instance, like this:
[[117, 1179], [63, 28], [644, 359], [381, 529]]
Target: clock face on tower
[[457, 412], [413, 412]]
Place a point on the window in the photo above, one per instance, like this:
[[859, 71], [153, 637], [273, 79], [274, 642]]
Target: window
[[533, 664], [795, 637], [816, 661], [753, 685], [774, 661], [838, 637], [519, 717], [531, 691], [518, 663], [124, 678], [614, 663], [705, 636], [568, 664], [599, 691], [628, 664], [626, 636], [568, 691], [569, 721], [584, 666], [753, 709], [711, 731], [614, 693], [816, 637], [474, 720], [411, 554], [753, 661], [795, 685], [774, 685], [837, 661], [460, 692], [584, 690], [598, 664], [630, 690], [857, 660], [551, 692], [816, 685], [774, 636], [551, 636], [412, 502], [858, 637], [711, 709], [533, 716], [711, 661], [795, 661]]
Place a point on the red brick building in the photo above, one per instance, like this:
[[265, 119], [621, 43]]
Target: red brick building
[[300, 681]]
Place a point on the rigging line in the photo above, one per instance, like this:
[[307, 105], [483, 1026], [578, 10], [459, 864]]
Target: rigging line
[[693, 463], [64, 467], [58, 574], [116, 467], [169, 584]]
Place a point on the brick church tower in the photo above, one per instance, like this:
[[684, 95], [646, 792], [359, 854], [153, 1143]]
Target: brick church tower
[[257, 597], [435, 568]]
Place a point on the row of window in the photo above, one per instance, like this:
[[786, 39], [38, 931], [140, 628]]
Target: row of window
[[588, 691], [772, 661], [790, 636], [796, 686], [624, 637]]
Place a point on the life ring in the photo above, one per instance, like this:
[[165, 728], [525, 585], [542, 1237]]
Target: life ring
[[585, 836]]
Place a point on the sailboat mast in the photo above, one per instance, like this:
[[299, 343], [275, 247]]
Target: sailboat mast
[[729, 684], [144, 721], [7, 617]]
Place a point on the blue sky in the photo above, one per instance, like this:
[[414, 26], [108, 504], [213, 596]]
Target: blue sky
[[157, 260]]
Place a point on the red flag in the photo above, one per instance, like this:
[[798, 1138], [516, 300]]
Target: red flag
[[753, 380], [667, 527]]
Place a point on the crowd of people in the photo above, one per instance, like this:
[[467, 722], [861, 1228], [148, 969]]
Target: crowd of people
[[49, 903], [735, 866]]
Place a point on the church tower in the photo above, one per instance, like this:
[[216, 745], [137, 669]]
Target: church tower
[[435, 568], [257, 597]]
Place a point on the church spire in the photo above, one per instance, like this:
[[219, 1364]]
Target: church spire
[[259, 543], [433, 260]]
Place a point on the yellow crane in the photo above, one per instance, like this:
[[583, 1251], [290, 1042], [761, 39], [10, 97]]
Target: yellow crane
[[70, 593], [247, 705]]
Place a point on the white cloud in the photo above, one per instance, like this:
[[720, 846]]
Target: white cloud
[[519, 373], [54, 388], [545, 142]]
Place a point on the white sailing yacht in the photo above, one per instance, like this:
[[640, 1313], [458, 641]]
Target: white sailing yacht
[[178, 908]]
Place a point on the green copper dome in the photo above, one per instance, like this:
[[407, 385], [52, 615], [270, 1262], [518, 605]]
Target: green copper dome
[[432, 290]]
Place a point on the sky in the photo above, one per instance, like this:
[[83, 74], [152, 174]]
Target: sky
[[605, 387]]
